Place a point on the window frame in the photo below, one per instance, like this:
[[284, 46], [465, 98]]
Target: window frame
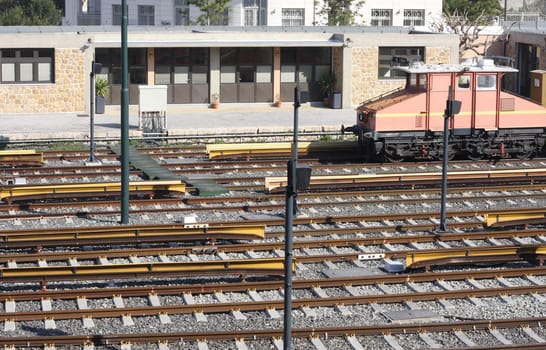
[[381, 17], [414, 17], [293, 17], [21, 57], [397, 56], [146, 15]]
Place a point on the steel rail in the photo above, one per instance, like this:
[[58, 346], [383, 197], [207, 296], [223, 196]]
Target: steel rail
[[245, 286], [130, 234], [275, 182], [24, 191], [271, 334], [303, 197], [263, 266], [237, 150], [277, 304], [413, 259]]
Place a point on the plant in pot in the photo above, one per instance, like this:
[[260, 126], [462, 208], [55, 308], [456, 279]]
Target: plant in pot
[[101, 91], [327, 85], [278, 101], [215, 100]]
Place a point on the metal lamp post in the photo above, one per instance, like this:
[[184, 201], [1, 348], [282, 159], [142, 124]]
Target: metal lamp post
[[124, 117], [452, 107]]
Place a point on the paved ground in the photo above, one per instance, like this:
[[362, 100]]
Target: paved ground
[[181, 120]]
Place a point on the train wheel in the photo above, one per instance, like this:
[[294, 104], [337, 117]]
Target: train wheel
[[391, 154], [525, 151], [473, 153], [451, 152]]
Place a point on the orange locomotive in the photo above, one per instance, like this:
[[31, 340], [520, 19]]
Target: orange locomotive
[[409, 123]]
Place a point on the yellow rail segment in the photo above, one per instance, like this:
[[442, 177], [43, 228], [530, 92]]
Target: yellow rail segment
[[247, 149], [19, 191], [514, 218], [275, 182], [21, 157], [264, 266], [243, 232], [475, 254]]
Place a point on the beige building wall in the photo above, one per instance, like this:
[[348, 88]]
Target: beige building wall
[[69, 92], [365, 62]]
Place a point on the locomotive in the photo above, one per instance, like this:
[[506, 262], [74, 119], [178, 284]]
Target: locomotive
[[408, 123]]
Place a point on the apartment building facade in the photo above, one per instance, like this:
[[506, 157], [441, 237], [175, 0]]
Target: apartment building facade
[[249, 13]]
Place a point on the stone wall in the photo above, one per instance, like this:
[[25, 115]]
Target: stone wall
[[366, 84], [65, 95]]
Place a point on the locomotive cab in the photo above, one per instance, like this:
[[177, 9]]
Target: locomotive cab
[[407, 123]]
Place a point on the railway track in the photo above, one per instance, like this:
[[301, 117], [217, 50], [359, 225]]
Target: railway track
[[343, 243]]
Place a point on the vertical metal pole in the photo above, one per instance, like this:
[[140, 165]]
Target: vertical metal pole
[[447, 115], [124, 117], [290, 212], [92, 113]]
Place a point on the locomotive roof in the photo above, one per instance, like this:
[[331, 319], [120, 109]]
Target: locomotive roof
[[482, 65]]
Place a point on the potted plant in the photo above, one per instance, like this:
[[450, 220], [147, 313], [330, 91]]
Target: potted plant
[[215, 100], [327, 85], [278, 101], [101, 91]]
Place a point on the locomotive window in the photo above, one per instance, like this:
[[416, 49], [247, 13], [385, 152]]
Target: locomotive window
[[463, 82], [486, 82]]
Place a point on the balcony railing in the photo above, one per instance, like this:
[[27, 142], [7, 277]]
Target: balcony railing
[[89, 18]]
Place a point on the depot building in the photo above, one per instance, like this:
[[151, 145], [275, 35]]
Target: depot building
[[48, 69]]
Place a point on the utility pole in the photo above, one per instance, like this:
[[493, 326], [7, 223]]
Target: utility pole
[[124, 117], [452, 107]]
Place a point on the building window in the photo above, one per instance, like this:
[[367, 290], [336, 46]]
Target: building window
[[381, 17], [255, 12], [293, 17], [246, 65], [146, 15], [398, 57], [181, 66], [27, 66], [413, 17], [116, 15], [182, 13]]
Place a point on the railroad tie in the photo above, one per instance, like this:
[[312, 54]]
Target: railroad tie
[[256, 297], [476, 285], [199, 316], [89, 346], [88, 322], [46, 304], [236, 313], [531, 333], [392, 342], [464, 338], [430, 342], [278, 342], [50, 347], [153, 299], [240, 344], [9, 325], [127, 320], [49, 323], [10, 305], [498, 335], [317, 343], [351, 339], [126, 346], [202, 345]]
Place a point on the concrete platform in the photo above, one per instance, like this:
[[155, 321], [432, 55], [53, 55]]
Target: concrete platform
[[182, 120]]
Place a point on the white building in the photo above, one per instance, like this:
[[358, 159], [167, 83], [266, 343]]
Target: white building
[[241, 13]]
